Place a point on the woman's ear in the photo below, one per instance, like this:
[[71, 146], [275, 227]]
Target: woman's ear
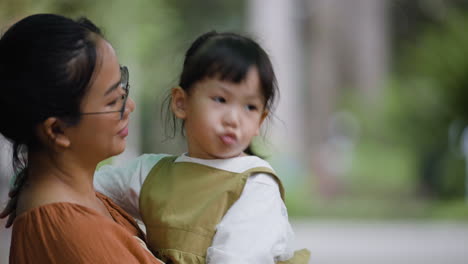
[[178, 102], [52, 130]]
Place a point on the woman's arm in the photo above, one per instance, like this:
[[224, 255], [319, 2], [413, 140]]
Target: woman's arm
[[256, 228], [123, 184]]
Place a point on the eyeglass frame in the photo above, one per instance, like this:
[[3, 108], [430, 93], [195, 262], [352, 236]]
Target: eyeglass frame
[[124, 81]]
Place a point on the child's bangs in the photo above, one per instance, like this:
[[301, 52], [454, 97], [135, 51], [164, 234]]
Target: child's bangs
[[228, 63], [230, 70]]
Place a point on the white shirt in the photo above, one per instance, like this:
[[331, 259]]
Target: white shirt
[[254, 230]]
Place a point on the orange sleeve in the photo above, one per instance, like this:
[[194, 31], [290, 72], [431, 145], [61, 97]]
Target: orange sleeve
[[70, 233]]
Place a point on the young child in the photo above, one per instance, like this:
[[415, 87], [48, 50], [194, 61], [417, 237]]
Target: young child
[[216, 203]]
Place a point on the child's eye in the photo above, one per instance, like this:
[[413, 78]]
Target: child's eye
[[219, 99], [251, 107], [112, 103]]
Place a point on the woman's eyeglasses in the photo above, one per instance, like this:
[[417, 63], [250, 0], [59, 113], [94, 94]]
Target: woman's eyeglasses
[[126, 86]]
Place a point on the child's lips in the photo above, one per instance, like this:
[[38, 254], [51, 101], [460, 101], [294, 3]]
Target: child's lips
[[228, 139]]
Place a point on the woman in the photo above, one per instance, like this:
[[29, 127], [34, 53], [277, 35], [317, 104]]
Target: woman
[[64, 107]]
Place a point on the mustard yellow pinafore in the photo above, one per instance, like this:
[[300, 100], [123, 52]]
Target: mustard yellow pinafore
[[181, 204]]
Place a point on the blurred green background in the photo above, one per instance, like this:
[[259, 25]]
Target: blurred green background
[[373, 146], [405, 159]]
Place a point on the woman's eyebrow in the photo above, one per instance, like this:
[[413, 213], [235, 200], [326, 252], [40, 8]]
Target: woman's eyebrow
[[112, 88]]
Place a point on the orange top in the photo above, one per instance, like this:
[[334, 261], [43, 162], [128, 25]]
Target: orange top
[[71, 233]]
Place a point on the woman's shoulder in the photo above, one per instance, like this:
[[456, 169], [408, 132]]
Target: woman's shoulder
[[58, 216], [71, 216]]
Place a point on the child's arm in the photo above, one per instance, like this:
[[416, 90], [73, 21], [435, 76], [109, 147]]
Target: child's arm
[[123, 184], [256, 228]]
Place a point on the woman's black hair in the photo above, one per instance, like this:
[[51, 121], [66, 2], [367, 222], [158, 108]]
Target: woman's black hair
[[47, 63], [227, 57]]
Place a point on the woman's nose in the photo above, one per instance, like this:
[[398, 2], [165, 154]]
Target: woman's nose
[[132, 104], [129, 107]]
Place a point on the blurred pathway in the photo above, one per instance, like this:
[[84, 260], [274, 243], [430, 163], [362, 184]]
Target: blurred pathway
[[337, 242], [344, 242]]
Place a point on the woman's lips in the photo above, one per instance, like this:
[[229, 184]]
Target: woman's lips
[[124, 132]]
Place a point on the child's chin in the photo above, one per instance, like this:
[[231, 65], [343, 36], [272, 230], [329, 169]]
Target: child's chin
[[230, 155]]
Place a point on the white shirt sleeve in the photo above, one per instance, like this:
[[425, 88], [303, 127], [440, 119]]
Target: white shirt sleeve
[[123, 184], [256, 228]]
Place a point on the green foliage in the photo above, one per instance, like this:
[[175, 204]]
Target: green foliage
[[435, 70], [433, 92], [381, 170], [452, 177]]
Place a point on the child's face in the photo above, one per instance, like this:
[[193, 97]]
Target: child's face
[[221, 118]]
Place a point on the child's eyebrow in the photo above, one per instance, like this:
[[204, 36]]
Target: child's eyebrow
[[220, 86], [256, 96]]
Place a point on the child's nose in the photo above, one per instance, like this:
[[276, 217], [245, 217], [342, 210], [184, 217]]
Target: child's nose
[[231, 118]]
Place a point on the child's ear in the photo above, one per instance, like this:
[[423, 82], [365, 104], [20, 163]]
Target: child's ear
[[52, 130], [178, 102], [262, 118]]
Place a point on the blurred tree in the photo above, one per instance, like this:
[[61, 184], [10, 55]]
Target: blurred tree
[[409, 18], [433, 92]]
